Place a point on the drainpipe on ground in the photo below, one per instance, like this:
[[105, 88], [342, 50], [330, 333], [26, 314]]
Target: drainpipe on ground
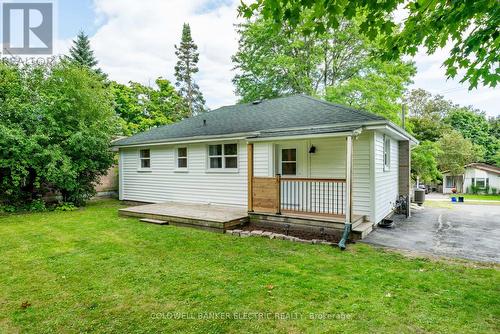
[[345, 236]]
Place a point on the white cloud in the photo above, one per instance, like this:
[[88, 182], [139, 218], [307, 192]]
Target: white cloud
[[136, 41]]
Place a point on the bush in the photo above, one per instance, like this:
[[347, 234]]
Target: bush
[[37, 205], [7, 209], [474, 189], [66, 207], [55, 128], [494, 190]]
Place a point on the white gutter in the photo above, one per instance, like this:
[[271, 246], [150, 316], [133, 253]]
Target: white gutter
[[395, 130], [187, 140]]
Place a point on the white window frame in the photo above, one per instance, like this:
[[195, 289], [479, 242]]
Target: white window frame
[[177, 157], [289, 161], [387, 153], [223, 156], [482, 179], [450, 180], [141, 159]]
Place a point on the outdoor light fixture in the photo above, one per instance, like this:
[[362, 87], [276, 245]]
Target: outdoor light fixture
[[312, 149]]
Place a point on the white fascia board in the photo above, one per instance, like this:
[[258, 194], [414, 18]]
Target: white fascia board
[[394, 131], [190, 140]]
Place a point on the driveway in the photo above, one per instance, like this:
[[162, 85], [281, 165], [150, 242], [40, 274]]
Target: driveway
[[463, 231]]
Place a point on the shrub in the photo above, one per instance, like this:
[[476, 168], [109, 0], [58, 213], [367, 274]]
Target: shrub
[[7, 209], [494, 190], [474, 189], [66, 207], [55, 128], [37, 205]]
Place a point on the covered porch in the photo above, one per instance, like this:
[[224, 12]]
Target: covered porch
[[310, 176], [307, 183]]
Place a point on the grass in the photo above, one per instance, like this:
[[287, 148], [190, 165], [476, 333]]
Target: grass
[[478, 197], [91, 271]]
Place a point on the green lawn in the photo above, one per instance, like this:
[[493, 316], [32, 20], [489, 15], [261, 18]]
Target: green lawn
[[91, 271], [478, 197]]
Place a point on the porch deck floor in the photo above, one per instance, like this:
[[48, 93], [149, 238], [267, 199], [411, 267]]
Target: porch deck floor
[[219, 218], [208, 216]]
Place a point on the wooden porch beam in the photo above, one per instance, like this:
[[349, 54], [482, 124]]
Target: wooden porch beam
[[250, 176]]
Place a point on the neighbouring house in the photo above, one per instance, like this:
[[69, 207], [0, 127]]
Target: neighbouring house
[[484, 177], [294, 156], [108, 184]]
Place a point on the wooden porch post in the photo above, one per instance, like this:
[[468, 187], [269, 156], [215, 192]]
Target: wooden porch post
[[250, 176], [348, 206], [278, 194]]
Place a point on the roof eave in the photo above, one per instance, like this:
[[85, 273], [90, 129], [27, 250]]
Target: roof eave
[[368, 125]]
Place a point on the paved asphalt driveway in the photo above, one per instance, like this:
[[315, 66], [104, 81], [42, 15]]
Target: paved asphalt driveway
[[463, 231]]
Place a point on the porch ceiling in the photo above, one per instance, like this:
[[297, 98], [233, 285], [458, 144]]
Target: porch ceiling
[[307, 132]]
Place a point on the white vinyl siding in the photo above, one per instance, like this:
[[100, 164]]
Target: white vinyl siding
[[263, 158], [374, 190], [162, 183], [386, 179]]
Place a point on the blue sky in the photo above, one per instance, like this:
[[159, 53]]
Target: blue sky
[[134, 40], [74, 15]]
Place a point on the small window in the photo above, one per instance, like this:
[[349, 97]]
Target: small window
[[387, 153], [182, 157], [481, 183], [289, 161], [450, 182], [223, 156], [145, 156]]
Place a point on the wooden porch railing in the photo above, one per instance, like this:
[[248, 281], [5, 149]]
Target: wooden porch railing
[[313, 196], [299, 195]]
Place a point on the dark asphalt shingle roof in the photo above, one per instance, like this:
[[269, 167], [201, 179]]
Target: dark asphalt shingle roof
[[280, 113]]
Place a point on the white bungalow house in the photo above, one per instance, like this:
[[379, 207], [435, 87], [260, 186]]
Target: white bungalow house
[[294, 156], [482, 176]]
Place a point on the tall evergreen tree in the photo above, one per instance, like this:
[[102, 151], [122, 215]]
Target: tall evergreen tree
[[82, 54], [185, 69]]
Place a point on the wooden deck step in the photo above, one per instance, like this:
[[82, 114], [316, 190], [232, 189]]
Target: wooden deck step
[[362, 230], [153, 221]]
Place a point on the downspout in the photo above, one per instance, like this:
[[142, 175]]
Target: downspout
[[348, 213]]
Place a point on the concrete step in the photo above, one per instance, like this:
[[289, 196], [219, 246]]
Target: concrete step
[[362, 230], [153, 221], [358, 221]]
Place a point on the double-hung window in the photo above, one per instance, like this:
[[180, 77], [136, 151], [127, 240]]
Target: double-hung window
[[289, 161], [145, 159], [182, 158], [223, 156]]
